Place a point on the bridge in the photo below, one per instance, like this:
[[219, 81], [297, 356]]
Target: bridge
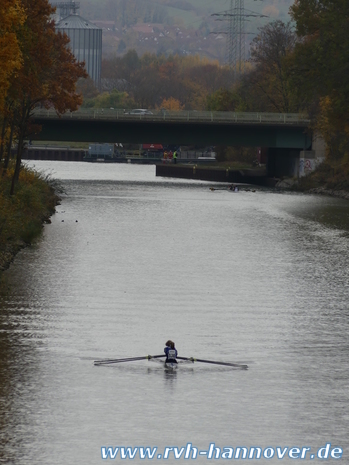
[[273, 130]]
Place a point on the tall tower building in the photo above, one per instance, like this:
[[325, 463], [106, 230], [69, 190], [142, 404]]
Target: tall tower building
[[85, 38]]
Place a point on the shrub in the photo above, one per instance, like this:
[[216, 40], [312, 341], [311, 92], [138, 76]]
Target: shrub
[[22, 214]]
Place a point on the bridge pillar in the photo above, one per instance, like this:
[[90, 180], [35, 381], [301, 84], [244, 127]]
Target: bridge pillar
[[309, 160], [282, 162], [307, 163]]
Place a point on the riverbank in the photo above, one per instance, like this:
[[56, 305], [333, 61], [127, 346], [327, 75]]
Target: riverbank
[[328, 179], [331, 192], [309, 187], [22, 215]]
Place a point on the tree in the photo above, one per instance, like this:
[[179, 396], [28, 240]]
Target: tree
[[86, 87], [121, 46], [321, 66], [113, 99], [271, 75], [211, 76], [223, 100], [171, 104], [146, 87], [152, 79], [48, 74], [12, 17]]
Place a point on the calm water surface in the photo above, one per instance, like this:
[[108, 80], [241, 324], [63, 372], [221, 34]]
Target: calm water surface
[[131, 260]]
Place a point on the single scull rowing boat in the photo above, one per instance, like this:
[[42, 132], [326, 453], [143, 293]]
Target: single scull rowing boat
[[168, 365]]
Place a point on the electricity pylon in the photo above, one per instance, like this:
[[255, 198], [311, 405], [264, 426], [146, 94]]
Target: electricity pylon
[[235, 45]]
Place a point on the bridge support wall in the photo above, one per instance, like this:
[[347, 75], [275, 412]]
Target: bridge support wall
[[282, 162]]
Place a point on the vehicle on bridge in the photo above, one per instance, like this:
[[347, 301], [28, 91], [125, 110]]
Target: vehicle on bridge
[[140, 111]]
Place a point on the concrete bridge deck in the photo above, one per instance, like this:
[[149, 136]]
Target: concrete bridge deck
[[278, 130], [191, 116]]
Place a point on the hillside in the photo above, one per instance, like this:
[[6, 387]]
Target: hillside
[[175, 26]]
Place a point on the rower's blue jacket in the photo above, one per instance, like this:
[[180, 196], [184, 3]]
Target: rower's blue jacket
[[171, 354]]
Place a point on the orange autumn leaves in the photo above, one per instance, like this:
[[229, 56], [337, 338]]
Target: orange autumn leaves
[[12, 16], [33, 57], [37, 69], [48, 71]]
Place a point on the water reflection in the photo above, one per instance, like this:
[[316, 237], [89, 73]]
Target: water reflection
[[170, 376], [18, 375]]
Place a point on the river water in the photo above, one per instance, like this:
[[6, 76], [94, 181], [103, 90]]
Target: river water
[[131, 260]]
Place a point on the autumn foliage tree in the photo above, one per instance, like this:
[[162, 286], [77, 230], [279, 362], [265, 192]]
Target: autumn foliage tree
[[12, 16], [171, 104], [151, 79], [47, 75], [267, 85], [223, 100], [320, 67]]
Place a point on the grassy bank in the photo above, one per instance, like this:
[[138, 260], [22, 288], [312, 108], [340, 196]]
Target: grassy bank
[[23, 214]]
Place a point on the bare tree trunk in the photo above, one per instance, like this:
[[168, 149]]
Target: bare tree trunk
[[4, 124], [8, 154], [18, 164]]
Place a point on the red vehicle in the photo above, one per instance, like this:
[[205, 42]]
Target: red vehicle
[[152, 150]]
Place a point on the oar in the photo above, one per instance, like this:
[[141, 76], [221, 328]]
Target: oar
[[191, 359], [130, 359], [219, 188]]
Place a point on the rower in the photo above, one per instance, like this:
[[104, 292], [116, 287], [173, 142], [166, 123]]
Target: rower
[[171, 352]]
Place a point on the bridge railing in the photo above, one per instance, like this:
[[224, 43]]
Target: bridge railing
[[179, 116]]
